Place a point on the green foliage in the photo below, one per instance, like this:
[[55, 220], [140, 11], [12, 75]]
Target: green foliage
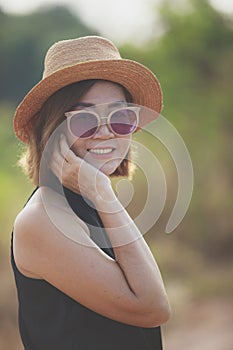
[[24, 41], [14, 189]]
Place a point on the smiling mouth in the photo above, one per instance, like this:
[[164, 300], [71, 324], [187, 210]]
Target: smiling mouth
[[101, 150]]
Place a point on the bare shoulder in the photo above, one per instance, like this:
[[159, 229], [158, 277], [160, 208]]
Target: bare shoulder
[[47, 208], [29, 218], [45, 223], [28, 226]]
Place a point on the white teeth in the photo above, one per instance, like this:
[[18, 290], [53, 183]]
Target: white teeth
[[101, 150]]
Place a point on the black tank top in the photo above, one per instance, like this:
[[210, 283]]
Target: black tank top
[[51, 320]]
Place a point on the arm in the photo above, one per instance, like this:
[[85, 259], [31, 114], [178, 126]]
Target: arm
[[134, 256], [80, 270]]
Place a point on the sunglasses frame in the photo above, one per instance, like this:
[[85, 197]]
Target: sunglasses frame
[[70, 114]]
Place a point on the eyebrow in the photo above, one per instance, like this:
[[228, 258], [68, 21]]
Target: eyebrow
[[88, 104], [84, 104]]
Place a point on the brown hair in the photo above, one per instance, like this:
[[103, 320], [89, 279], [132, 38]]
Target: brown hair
[[50, 116]]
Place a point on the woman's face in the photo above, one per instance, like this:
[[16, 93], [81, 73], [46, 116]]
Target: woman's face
[[104, 150]]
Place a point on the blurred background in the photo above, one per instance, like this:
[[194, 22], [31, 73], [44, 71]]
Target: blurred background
[[188, 44]]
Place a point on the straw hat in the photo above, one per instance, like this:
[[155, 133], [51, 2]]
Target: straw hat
[[89, 57]]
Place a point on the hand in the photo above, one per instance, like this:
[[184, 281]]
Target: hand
[[78, 175]]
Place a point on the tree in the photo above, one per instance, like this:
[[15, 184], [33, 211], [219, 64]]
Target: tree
[[24, 41]]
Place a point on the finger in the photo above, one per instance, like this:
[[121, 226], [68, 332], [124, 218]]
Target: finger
[[58, 163], [59, 158], [56, 167], [66, 152]]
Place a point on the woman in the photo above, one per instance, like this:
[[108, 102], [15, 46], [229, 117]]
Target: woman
[[89, 280]]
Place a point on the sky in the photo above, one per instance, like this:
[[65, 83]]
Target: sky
[[121, 20]]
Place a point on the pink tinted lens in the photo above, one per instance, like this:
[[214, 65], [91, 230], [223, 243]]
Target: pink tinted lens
[[124, 121], [83, 124]]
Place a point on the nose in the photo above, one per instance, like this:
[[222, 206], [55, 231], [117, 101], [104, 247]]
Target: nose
[[104, 132]]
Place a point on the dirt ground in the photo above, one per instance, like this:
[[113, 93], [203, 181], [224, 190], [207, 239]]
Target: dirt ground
[[201, 325], [194, 325]]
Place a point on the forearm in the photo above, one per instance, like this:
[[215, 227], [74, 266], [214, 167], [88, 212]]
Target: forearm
[[132, 252]]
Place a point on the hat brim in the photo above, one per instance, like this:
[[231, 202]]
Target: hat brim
[[141, 83]]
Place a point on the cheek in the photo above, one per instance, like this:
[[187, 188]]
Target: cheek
[[124, 145]]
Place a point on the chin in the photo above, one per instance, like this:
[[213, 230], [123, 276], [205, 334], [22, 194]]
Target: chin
[[108, 172], [108, 169]]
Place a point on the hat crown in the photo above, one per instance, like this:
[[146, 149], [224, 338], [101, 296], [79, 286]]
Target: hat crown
[[70, 52]]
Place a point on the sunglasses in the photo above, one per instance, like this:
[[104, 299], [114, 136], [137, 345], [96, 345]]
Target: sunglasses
[[85, 123]]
